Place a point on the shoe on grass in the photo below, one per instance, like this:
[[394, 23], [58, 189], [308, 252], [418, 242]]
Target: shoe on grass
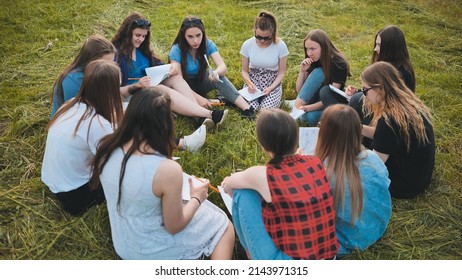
[[248, 113], [219, 116], [196, 140], [290, 103]]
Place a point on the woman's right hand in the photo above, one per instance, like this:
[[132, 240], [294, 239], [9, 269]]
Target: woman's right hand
[[199, 191], [144, 82], [306, 63], [350, 90]]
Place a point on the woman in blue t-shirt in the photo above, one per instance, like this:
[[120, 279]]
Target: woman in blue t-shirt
[[134, 55], [188, 56], [69, 81]]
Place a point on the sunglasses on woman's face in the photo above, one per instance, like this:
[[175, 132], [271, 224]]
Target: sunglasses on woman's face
[[261, 38], [365, 90], [142, 23]]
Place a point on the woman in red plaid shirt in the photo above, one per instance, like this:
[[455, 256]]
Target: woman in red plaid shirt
[[283, 210]]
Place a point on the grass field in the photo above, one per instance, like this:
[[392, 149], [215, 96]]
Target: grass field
[[39, 40]]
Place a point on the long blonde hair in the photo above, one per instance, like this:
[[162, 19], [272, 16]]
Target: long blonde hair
[[339, 147], [397, 103]]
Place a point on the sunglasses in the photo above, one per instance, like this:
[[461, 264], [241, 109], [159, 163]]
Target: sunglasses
[[142, 23], [261, 38], [365, 90], [192, 22]]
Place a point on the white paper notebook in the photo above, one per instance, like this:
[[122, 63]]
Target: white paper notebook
[[296, 113], [185, 193], [158, 73], [342, 93], [250, 96], [308, 137], [227, 199]]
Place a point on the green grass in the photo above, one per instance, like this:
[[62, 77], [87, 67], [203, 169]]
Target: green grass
[[32, 225]]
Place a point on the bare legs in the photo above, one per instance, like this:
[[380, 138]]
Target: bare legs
[[225, 247]]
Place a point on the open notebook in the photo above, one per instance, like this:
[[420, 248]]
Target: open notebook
[[250, 96], [158, 73], [308, 137]]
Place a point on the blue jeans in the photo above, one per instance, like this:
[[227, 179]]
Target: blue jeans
[[225, 89], [248, 223], [310, 94]]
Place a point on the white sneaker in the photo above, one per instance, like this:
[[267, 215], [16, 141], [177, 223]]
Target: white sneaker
[[196, 140], [289, 103]]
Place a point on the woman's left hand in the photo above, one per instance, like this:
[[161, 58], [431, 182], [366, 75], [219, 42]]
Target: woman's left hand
[[173, 71], [267, 91], [227, 189]]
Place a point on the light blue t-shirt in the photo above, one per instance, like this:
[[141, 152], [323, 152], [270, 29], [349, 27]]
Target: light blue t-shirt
[[71, 86], [192, 65], [376, 207]]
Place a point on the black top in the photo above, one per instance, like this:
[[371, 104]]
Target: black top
[[410, 172], [408, 78]]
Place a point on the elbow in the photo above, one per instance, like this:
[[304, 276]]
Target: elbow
[[173, 229]]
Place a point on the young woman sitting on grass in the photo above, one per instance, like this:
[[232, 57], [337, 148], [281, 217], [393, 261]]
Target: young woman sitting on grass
[[283, 210], [143, 187], [401, 130], [188, 54], [69, 82], [358, 180], [74, 132], [264, 58], [323, 65], [134, 55]]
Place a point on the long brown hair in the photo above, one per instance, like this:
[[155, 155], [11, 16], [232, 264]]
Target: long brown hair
[[185, 48], [267, 21], [329, 54], [94, 47], [397, 102], [393, 49], [122, 40], [147, 122], [277, 132], [339, 147], [100, 91]]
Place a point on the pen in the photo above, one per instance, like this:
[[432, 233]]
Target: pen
[[210, 186], [216, 104], [249, 83], [133, 79]]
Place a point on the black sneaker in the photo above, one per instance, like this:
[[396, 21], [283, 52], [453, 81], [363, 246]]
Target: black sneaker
[[205, 121], [248, 113], [219, 116]]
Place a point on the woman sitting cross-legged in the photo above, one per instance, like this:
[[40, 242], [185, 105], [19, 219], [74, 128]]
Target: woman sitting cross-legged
[[143, 188], [283, 210]]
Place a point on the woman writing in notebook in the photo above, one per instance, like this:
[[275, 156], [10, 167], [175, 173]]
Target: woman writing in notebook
[[264, 58], [143, 186], [189, 56], [134, 55]]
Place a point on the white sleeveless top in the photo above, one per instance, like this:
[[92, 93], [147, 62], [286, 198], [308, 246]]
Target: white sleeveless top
[[138, 231]]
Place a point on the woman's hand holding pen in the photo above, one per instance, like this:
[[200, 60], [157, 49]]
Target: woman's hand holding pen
[[200, 191], [144, 82], [350, 90], [250, 85]]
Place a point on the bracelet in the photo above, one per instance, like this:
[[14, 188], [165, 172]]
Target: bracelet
[[198, 200]]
